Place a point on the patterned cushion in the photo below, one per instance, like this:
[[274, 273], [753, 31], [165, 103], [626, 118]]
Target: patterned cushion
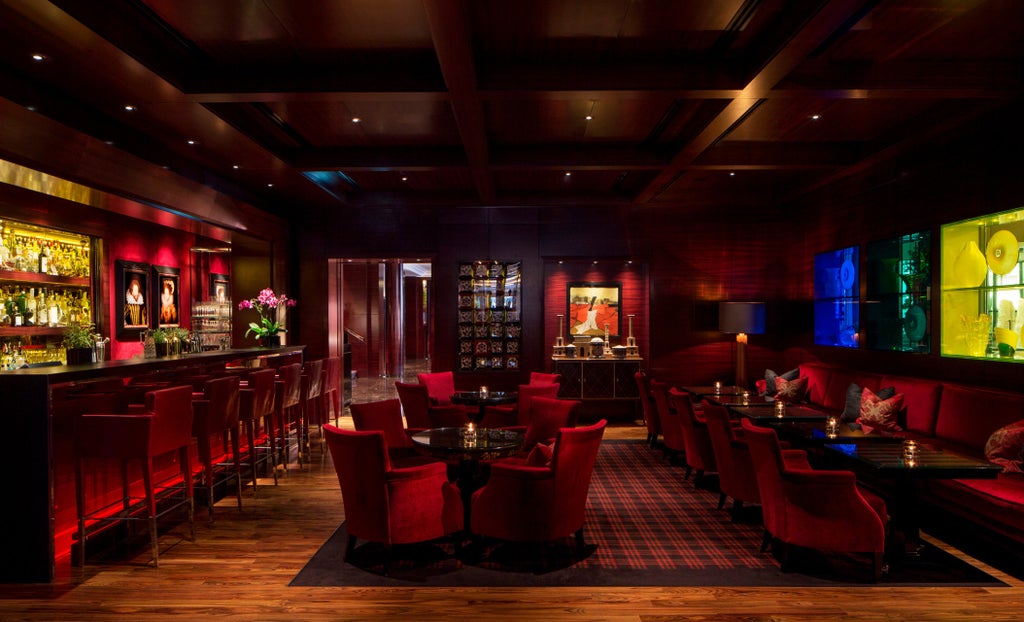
[[540, 455], [853, 397], [770, 386], [1006, 447], [791, 390], [878, 413]]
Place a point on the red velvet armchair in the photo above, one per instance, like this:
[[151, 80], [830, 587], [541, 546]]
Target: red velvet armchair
[[647, 405], [440, 386], [383, 503], [736, 475], [386, 416], [518, 414], [700, 456], [813, 509], [671, 423], [537, 377], [524, 503], [421, 415], [548, 416]]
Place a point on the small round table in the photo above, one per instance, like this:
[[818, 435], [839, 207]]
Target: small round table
[[452, 446], [482, 401]]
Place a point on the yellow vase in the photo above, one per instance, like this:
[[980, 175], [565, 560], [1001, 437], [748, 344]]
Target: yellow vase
[[970, 267], [1001, 251]]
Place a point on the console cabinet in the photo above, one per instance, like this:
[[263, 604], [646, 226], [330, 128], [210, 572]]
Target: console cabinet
[[605, 385]]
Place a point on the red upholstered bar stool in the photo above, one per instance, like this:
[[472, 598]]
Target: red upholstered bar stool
[[311, 404], [332, 388], [215, 414], [287, 406], [161, 427], [256, 414]]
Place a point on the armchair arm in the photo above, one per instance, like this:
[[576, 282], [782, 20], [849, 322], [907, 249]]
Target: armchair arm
[[802, 477], [419, 471], [520, 471], [795, 459]]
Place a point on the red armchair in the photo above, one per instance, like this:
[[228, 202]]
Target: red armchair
[[386, 416], [647, 405], [670, 421], [537, 377], [383, 503], [440, 386], [518, 414], [736, 475], [547, 417], [700, 456], [421, 415], [813, 509], [523, 503]]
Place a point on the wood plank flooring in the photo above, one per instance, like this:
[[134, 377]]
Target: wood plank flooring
[[239, 569]]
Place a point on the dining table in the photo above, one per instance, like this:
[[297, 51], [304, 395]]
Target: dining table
[[467, 448], [794, 413], [701, 391], [481, 400], [896, 469]]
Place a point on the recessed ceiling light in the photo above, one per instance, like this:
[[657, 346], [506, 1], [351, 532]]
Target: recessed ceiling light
[[815, 117], [405, 179], [235, 166], [356, 119], [732, 173], [270, 185], [109, 142], [30, 108], [130, 108], [589, 117], [568, 173], [595, 262], [39, 57], [192, 142]]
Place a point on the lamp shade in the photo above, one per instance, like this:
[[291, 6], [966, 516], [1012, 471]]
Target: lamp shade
[[741, 317]]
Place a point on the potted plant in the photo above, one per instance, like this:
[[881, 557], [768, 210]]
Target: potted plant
[[268, 330], [79, 339], [160, 341]]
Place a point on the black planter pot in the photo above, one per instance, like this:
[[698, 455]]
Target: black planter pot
[[271, 341], [77, 356], [161, 349]]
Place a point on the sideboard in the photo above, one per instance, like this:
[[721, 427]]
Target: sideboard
[[606, 385]]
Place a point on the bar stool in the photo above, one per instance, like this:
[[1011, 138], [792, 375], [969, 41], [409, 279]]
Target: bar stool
[[332, 388], [215, 412], [287, 402], [311, 404], [160, 427], [256, 406]]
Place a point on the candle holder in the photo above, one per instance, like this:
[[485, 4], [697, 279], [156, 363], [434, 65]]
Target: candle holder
[[484, 392], [746, 398], [718, 387], [832, 427], [780, 409], [910, 452], [469, 435]]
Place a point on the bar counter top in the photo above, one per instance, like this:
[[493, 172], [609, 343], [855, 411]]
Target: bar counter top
[[34, 534]]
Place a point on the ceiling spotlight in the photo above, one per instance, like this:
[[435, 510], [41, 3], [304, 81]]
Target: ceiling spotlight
[[589, 117], [109, 142], [732, 173], [405, 179], [356, 119], [568, 173], [39, 57], [192, 142], [31, 108], [235, 166], [815, 117], [130, 108], [270, 185]]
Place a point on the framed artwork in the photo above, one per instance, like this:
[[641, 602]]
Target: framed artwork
[[220, 287], [166, 297], [592, 307], [133, 306]]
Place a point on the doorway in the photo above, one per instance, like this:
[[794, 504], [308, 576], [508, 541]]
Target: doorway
[[380, 310]]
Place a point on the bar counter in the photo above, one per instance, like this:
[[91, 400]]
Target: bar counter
[[37, 479]]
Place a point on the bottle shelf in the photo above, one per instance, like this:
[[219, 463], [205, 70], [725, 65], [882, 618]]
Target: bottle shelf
[[30, 331], [37, 278]]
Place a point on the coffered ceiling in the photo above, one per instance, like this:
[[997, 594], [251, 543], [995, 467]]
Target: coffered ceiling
[[675, 103]]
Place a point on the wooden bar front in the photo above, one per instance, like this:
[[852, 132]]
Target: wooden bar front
[[40, 449]]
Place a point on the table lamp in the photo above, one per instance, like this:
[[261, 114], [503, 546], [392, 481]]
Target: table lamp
[[741, 319]]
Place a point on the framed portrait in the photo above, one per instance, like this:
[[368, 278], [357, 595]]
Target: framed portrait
[[592, 306], [132, 299], [166, 297], [220, 287]]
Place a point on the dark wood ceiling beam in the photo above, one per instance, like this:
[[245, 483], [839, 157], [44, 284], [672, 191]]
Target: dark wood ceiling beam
[[453, 41], [818, 29], [377, 158], [947, 79], [784, 155], [610, 77]]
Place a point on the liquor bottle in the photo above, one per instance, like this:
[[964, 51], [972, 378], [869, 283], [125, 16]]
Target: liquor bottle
[[31, 307], [42, 311], [84, 303], [44, 259], [54, 312]]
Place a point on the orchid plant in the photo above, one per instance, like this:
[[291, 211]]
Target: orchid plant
[[266, 304]]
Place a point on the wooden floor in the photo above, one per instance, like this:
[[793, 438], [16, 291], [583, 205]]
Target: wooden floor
[[239, 569]]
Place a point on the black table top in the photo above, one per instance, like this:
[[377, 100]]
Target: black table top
[[766, 416], [753, 400], [476, 398], [929, 462], [709, 390], [452, 443]]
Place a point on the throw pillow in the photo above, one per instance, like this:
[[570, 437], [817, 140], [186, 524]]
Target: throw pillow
[[540, 455], [770, 377], [1006, 447], [853, 396], [791, 391], [876, 413]]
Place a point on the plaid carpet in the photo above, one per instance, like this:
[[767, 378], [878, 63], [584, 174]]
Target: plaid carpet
[[645, 526]]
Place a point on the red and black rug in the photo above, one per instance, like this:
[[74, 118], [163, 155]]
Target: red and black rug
[[646, 526]]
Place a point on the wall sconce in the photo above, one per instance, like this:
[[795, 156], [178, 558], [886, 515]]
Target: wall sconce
[[741, 319]]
